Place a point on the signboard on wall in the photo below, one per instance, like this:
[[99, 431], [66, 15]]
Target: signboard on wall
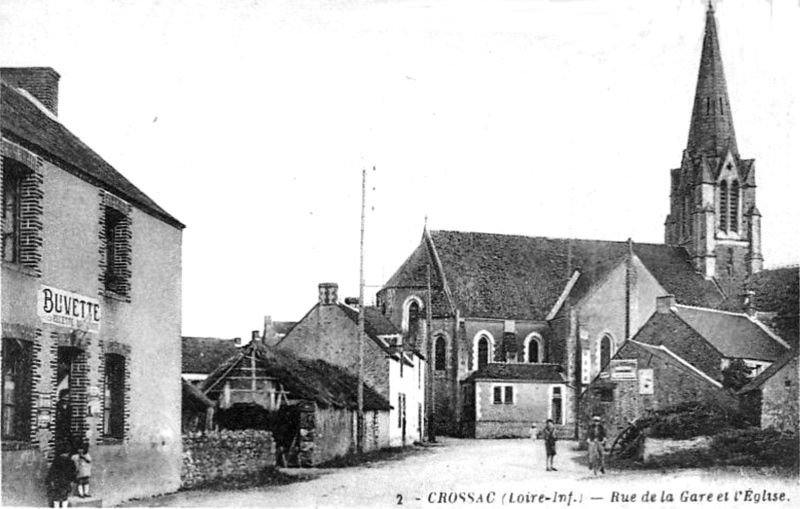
[[645, 381], [67, 309], [622, 369]]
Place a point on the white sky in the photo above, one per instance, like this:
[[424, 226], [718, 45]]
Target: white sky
[[250, 121]]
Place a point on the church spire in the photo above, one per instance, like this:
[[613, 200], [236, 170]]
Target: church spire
[[711, 132]]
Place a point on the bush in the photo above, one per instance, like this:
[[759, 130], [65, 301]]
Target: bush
[[692, 419], [752, 447]]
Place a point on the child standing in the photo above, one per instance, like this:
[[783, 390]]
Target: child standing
[[83, 467], [549, 436]]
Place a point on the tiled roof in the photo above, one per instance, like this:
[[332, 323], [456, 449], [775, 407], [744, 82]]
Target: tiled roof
[[375, 325], [24, 123], [773, 368], [734, 335], [516, 277], [306, 379], [204, 355], [552, 373]]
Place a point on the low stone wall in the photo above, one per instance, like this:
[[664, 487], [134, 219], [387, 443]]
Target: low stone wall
[[225, 454], [655, 447]]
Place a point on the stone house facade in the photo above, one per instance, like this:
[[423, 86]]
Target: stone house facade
[[773, 394], [642, 378], [91, 309], [396, 370]]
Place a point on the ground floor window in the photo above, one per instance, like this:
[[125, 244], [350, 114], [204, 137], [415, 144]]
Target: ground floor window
[[503, 394], [114, 407], [17, 356]]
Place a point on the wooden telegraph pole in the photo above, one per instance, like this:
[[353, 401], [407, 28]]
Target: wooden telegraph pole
[[360, 415]]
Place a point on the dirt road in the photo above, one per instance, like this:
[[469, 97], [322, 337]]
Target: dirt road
[[459, 472]]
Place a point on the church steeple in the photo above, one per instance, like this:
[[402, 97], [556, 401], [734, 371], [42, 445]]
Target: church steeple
[[713, 210], [711, 132]]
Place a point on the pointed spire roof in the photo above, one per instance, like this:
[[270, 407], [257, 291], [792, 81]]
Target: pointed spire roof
[[711, 132]]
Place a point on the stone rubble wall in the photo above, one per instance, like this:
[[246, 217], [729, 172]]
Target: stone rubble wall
[[225, 454]]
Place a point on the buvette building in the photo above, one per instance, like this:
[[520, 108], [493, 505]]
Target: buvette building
[[91, 309]]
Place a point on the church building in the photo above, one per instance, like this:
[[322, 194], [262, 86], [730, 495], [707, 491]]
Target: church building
[[571, 304]]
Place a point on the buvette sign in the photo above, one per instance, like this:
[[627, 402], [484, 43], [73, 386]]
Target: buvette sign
[[67, 309]]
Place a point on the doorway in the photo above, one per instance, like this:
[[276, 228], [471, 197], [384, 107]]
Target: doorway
[[65, 383]]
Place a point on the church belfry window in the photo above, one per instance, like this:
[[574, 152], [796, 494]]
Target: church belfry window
[[723, 205], [734, 207]]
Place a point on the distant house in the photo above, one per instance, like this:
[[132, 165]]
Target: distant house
[[202, 355], [642, 378], [275, 331], [309, 405], [395, 369], [504, 400], [773, 394]]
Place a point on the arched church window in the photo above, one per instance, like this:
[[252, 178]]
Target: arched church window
[[733, 212], [413, 320], [534, 351], [440, 354], [605, 351], [484, 357], [723, 205]]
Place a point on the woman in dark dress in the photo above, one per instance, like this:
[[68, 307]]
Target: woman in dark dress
[[60, 477]]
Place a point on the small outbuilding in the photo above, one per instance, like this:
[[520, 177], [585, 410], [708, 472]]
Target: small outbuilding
[[309, 405]]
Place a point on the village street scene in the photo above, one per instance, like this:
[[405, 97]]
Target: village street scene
[[416, 253]]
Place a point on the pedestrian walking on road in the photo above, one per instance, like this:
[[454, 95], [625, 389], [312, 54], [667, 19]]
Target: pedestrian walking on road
[[549, 436], [596, 437]]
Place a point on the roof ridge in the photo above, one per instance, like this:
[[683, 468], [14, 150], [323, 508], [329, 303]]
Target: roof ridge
[[658, 244]]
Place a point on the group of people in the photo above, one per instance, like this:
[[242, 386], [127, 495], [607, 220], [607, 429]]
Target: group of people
[[595, 438], [70, 470]]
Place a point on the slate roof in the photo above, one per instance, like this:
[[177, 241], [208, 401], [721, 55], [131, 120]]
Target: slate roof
[[204, 355], [550, 373], [24, 123], [776, 292], [735, 335], [305, 379], [773, 368], [683, 340], [517, 277], [671, 357]]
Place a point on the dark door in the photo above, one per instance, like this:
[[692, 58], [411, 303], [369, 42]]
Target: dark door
[[64, 394]]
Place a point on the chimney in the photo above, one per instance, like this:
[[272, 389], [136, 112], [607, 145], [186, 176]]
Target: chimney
[[749, 303], [351, 301], [40, 82], [328, 294], [255, 336], [665, 304], [237, 342]]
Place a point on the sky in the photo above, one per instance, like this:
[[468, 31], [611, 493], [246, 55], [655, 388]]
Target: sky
[[252, 121]]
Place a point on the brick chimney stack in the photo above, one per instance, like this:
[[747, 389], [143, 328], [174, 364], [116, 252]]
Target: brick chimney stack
[[40, 82], [328, 294], [665, 304], [749, 303]]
